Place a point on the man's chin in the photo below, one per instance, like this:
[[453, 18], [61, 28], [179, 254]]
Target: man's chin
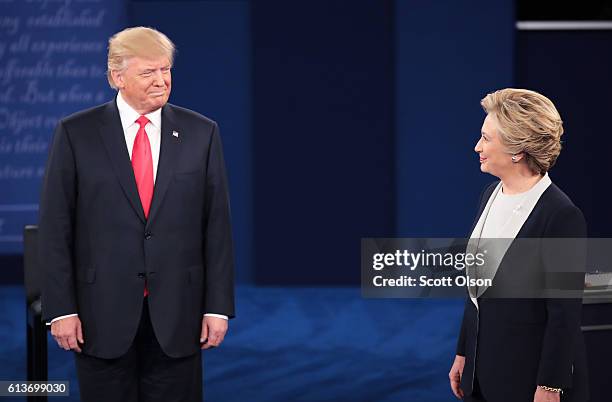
[[158, 102]]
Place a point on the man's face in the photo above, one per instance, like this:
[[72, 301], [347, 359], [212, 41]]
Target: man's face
[[145, 84]]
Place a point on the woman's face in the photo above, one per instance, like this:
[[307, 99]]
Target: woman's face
[[494, 158]]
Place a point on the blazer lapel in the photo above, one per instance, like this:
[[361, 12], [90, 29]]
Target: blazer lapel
[[475, 243], [113, 138], [168, 155], [498, 246]]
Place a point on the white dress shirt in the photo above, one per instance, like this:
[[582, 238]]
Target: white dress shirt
[[130, 128], [128, 117]]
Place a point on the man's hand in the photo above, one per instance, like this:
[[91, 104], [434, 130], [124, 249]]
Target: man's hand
[[542, 395], [455, 374], [67, 332], [213, 331]]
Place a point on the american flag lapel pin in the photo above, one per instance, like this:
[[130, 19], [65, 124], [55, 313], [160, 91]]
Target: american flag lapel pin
[[175, 134]]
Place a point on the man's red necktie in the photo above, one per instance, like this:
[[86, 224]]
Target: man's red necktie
[[142, 162]]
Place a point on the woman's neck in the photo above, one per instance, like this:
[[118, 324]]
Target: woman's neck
[[519, 183]]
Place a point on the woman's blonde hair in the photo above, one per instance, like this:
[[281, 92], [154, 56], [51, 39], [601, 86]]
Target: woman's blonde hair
[[528, 123], [144, 42]]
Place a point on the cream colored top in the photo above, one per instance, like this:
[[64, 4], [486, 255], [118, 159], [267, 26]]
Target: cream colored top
[[502, 218]]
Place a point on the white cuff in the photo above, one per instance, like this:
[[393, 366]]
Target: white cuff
[[216, 315], [60, 317]]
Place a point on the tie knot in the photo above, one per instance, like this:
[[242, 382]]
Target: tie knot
[[142, 120]]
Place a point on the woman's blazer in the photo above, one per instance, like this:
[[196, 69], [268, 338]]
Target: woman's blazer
[[513, 345]]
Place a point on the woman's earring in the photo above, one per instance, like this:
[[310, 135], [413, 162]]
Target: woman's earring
[[514, 159]]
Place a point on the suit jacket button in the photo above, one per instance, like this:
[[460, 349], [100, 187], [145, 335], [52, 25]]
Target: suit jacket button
[[148, 235]]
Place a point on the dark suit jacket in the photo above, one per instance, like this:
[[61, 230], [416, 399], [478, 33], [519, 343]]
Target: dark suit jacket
[[97, 248], [513, 345]]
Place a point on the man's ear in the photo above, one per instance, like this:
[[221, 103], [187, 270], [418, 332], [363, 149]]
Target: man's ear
[[118, 79]]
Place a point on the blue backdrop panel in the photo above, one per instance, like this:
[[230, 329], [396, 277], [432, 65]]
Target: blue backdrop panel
[[573, 69], [449, 55], [323, 137], [52, 63], [211, 75]]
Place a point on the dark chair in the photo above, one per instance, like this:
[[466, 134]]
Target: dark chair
[[36, 329]]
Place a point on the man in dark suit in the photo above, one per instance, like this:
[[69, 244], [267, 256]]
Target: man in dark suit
[[135, 234]]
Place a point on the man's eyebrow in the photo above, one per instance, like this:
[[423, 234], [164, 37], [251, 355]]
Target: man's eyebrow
[[148, 70]]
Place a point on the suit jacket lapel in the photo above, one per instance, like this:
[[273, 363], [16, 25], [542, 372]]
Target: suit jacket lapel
[[113, 138], [475, 243], [498, 247], [168, 155]]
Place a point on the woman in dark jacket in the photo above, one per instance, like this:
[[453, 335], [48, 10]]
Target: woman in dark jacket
[[522, 349]]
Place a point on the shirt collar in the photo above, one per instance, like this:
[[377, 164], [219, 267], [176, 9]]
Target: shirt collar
[[128, 115]]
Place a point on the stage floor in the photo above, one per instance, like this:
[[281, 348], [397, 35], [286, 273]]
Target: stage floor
[[298, 344]]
